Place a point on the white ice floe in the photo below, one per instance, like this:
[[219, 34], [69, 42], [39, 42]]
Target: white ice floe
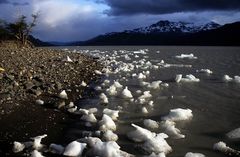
[[140, 134], [156, 155], [237, 79], [37, 142], [36, 153], [74, 149], [170, 129], [107, 123], [189, 56], [111, 113], [72, 109], [112, 90], [126, 93], [179, 114], [190, 78], [154, 84], [150, 103], [18, 147], [207, 71], [141, 76], [110, 136], [63, 95], [221, 146], [151, 124], [144, 110], [178, 78], [56, 149], [117, 84], [146, 95], [39, 102], [227, 78], [190, 154], [89, 118], [103, 98], [234, 134], [157, 144]]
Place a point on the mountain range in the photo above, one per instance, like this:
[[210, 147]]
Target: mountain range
[[171, 33]]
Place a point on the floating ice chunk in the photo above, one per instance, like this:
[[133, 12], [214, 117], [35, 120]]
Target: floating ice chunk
[[227, 78], [83, 111], [126, 93], [189, 56], [72, 109], [112, 90], [37, 141], [190, 78], [179, 114], [207, 71], [154, 84], [178, 78], [171, 130], [138, 91], [103, 98], [39, 102], [74, 149], [98, 72], [156, 155], [150, 103], [234, 134], [110, 136], [157, 144], [151, 124], [18, 147], [56, 149], [220, 146], [141, 76], [84, 84], [146, 95], [140, 134], [89, 118], [36, 153], [63, 95], [107, 123], [144, 110], [165, 85], [111, 113], [237, 79], [190, 154]]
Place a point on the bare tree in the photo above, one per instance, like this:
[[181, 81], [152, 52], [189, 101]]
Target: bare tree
[[21, 29]]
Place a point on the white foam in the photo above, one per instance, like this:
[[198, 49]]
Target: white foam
[[190, 154], [234, 134], [74, 149], [179, 114], [151, 124]]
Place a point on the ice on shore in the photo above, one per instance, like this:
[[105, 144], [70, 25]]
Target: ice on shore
[[89, 118], [179, 114], [117, 84], [151, 124], [74, 149], [36, 153], [63, 95], [68, 59], [39, 102], [111, 113], [110, 136], [227, 78], [189, 56], [112, 90], [170, 129], [107, 123], [220, 146], [140, 134], [154, 84], [156, 155], [37, 142], [234, 134], [103, 98], [126, 93], [18, 147], [190, 154], [144, 110]]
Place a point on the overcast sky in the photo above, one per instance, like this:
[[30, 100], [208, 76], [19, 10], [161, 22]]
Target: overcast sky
[[71, 20]]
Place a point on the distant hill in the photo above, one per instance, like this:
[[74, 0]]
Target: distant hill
[[172, 33]]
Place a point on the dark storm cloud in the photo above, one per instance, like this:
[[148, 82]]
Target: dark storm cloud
[[125, 7], [3, 1], [13, 3]]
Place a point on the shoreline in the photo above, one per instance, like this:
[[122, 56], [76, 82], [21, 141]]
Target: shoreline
[[39, 74]]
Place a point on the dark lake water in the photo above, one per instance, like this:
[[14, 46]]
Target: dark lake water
[[215, 104]]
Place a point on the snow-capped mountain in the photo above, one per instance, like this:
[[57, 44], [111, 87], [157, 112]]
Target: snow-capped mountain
[[177, 27]]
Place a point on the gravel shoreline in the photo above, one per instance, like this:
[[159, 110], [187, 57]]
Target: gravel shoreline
[[39, 74]]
